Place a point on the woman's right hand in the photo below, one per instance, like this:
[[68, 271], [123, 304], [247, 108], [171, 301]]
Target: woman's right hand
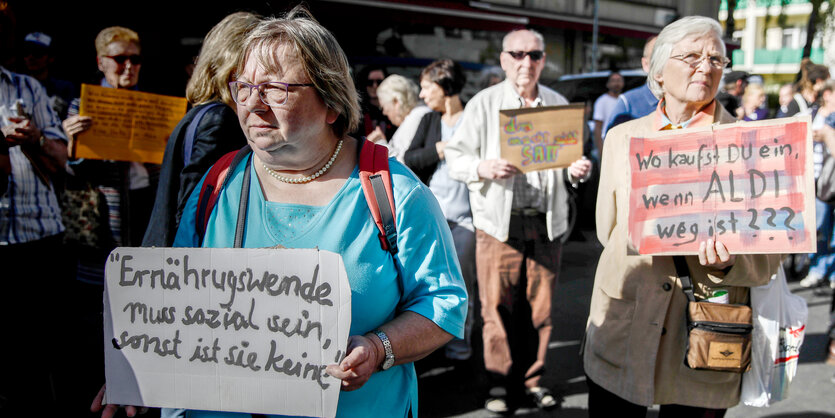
[[108, 411], [76, 124]]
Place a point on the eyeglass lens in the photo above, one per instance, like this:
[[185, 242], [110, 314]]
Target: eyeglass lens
[[271, 93], [374, 81], [518, 55], [120, 59], [694, 60]]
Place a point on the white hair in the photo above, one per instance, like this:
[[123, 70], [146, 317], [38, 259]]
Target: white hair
[[397, 87], [536, 34], [672, 34]]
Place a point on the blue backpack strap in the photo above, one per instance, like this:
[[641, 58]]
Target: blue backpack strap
[[191, 131]]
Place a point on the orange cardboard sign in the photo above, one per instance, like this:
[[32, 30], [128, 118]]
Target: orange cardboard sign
[[540, 138], [127, 125]]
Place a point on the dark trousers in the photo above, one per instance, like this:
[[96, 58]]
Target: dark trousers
[[36, 346], [603, 403]]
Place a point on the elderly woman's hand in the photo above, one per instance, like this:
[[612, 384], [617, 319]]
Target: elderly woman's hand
[[714, 254], [377, 136], [108, 411], [358, 365], [76, 124]]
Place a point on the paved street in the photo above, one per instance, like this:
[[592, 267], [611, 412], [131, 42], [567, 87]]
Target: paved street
[[448, 390]]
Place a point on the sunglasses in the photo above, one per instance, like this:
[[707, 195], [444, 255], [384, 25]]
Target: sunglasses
[[373, 82], [120, 59], [520, 55]]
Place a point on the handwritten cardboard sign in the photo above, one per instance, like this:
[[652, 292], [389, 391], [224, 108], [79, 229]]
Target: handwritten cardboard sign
[[539, 138], [127, 125], [749, 185], [238, 330]]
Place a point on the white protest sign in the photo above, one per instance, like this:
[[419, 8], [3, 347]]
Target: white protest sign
[[238, 330]]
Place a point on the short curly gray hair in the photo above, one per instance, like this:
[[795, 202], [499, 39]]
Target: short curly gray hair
[[673, 34], [397, 87]]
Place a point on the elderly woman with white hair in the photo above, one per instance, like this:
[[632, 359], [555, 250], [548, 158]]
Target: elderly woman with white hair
[[635, 337], [399, 98]]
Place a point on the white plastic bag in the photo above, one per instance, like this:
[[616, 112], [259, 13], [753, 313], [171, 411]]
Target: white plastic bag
[[779, 325]]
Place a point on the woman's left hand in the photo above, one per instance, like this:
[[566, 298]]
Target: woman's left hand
[[358, 365], [714, 254]]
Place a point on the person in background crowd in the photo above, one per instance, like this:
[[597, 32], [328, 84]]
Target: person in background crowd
[[518, 219], [731, 95], [822, 262], [604, 105], [813, 77], [127, 192], [375, 125], [490, 76], [637, 102], [297, 105], [441, 83], [399, 98], [752, 104], [216, 132], [33, 150], [37, 59], [636, 332], [784, 98], [827, 135]]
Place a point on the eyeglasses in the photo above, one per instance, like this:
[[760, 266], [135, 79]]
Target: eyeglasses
[[271, 93], [373, 82], [694, 59], [120, 59], [520, 55]]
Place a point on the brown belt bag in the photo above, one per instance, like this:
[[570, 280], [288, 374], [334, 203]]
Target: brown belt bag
[[718, 334]]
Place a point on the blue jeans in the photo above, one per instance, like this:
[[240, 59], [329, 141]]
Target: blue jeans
[[822, 263]]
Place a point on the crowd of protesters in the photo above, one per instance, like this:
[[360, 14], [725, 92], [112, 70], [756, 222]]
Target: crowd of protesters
[[490, 245]]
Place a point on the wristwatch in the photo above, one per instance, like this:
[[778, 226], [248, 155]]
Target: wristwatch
[[389, 360]]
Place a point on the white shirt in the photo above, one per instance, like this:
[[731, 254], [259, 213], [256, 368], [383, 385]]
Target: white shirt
[[405, 133]]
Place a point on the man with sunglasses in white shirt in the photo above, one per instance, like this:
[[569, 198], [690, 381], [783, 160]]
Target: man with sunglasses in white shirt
[[519, 219]]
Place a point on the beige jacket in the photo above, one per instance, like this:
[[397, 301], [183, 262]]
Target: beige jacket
[[635, 336], [477, 139]]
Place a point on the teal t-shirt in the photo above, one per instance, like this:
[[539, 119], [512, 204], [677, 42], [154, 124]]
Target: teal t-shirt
[[431, 285]]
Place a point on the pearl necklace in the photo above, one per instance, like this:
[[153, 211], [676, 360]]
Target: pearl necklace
[[309, 178]]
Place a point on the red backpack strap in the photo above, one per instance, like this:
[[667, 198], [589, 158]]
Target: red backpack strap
[[376, 186], [213, 184]]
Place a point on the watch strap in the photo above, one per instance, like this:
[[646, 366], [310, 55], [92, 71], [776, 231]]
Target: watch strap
[[389, 359]]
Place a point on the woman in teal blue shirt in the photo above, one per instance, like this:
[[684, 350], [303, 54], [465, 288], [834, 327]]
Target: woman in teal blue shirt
[[296, 104]]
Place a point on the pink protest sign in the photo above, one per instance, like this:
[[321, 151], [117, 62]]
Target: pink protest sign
[[748, 185]]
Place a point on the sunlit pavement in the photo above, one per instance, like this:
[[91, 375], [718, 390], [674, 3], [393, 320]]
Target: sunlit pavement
[[460, 390]]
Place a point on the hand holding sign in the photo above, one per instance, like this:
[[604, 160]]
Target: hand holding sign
[[496, 169]]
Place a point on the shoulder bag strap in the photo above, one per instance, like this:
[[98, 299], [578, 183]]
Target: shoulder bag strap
[[684, 274]]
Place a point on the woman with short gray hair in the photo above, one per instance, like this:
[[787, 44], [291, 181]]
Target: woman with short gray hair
[[399, 99], [635, 337]]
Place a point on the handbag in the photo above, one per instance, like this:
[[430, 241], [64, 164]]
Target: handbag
[[84, 214], [718, 334], [779, 327], [825, 184]]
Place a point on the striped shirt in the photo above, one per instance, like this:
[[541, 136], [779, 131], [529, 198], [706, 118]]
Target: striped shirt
[[29, 210]]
